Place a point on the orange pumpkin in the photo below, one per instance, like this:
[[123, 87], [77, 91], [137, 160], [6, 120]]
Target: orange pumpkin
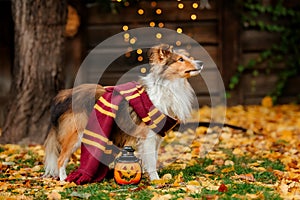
[[127, 168], [127, 173]]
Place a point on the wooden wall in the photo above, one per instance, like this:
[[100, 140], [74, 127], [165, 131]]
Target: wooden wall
[[254, 87], [205, 29], [217, 29]]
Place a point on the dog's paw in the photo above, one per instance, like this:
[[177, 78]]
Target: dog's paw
[[62, 174], [153, 176]]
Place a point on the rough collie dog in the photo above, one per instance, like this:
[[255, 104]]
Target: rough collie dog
[[167, 88]]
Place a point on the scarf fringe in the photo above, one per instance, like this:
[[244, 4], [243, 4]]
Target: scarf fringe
[[79, 178]]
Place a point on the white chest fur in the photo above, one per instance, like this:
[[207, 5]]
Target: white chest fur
[[172, 97]]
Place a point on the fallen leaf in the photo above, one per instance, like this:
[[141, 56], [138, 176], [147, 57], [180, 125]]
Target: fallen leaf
[[80, 195], [211, 168], [196, 183], [267, 102], [247, 177], [54, 196], [223, 188], [228, 169]]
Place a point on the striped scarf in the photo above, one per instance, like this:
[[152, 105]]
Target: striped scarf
[[97, 151]]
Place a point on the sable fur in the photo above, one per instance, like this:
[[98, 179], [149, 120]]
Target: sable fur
[[168, 89]]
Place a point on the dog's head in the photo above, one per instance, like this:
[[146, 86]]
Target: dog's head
[[172, 64]]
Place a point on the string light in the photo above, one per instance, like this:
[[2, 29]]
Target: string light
[[140, 11], [126, 36], [152, 24], [126, 4], [132, 40], [193, 16], [143, 70], [158, 35], [140, 58], [179, 30], [127, 54], [195, 5], [139, 51], [125, 28], [153, 4], [178, 43], [161, 25], [180, 5], [158, 11]]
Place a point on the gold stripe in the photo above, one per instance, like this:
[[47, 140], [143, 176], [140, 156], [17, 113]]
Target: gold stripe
[[108, 151], [153, 112], [95, 144], [128, 91], [152, 126], [150, 114], [141, 91], [113, 115], [157, 120], [132, 96], [146, 119], [106, 103], [95, 135]]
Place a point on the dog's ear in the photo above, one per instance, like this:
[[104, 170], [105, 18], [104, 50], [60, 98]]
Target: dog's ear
[[159, 54], [165, 51]]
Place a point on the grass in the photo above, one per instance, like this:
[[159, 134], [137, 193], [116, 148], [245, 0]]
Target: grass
[[236, 189], [205, 182]]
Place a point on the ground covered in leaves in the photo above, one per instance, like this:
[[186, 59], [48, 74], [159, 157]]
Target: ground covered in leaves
[[215, 163]]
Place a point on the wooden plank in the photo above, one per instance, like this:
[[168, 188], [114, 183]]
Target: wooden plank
[[230, 39], [206, 100], [292, 87], [246, 57], [170, 12], [252, 40], [205, 33], [206, 83], [96, 58], [256, 100], [260, 85]]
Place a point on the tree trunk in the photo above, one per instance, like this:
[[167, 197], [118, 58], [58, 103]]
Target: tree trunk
[[39, 47]]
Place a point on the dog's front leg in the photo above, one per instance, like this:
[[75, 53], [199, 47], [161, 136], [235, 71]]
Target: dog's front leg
[[149, 154]]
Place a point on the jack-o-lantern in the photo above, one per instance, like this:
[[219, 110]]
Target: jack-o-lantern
[[128, 169]]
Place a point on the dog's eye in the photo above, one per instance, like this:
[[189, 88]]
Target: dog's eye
[[180, 59]]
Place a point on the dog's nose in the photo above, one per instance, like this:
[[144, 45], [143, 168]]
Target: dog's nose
[[199, 64]]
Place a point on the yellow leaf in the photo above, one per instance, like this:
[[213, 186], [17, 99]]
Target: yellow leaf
[[54, 196], [36, 168], [286, 135], [69, 185], [247, 177], [196, 183], [211, 168], [238, 151], [159, 182], [228, 169], [267, 102], [167, 177], [178, 179]]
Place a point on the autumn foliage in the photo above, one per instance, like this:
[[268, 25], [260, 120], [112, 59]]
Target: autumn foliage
[[260, 163]]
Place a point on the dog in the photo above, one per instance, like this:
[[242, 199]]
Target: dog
[[167, 87]]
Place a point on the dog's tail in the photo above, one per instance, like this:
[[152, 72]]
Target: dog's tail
[[52, 149], [80, 99]]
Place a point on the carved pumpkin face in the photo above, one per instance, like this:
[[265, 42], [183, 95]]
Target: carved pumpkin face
[[127, 173]]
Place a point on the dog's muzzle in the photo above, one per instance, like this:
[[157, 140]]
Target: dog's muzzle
[[198, 66]]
